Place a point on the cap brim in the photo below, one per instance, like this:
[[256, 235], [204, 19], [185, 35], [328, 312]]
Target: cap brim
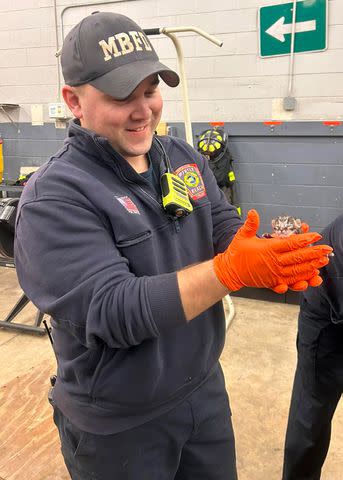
[[122, 81]]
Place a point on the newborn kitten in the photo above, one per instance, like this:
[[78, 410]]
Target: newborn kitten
[[284, 226]]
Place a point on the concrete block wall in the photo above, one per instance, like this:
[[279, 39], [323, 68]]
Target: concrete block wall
[[293, 172], [295, 168], [28, 146], [231, 83]]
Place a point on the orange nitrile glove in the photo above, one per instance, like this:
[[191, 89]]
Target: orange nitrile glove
[[305, 227], [314, 281], [275, 263]]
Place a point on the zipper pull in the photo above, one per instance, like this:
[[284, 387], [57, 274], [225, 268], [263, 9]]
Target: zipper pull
[[177, 225]]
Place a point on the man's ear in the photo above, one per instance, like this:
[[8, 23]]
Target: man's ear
[[72, 99]]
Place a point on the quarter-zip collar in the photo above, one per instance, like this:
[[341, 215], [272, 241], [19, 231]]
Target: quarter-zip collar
[[99, 150]]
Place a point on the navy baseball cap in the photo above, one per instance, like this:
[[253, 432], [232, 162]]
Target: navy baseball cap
[[112, 53]]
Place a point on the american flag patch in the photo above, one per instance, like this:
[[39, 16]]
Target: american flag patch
[[128, 204]]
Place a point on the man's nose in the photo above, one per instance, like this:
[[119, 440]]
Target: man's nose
[[141, 109]]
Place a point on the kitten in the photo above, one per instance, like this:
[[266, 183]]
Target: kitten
[[284, 226]]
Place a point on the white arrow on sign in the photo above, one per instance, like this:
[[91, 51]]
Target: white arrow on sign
[[279, 29]]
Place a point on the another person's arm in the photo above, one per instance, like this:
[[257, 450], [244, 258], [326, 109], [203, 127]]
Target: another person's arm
[[326, 302]]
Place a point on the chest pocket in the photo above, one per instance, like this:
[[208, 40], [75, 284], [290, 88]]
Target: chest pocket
[[138, 250], [135, 239], [148, 252]]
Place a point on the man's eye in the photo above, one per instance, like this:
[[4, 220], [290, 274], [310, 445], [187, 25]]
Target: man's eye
[[120, 102]]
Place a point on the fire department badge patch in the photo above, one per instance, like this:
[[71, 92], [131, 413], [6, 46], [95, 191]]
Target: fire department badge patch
[[191, 175]]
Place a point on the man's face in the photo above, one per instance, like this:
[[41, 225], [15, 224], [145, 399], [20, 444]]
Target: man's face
[[128, 124]]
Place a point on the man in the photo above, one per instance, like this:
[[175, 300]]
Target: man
[[134, 292], [318, 383]]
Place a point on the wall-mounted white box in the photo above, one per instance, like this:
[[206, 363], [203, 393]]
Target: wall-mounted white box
[[58, 110]]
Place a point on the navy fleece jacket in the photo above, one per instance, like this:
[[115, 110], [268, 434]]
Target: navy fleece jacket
[[95, 250]]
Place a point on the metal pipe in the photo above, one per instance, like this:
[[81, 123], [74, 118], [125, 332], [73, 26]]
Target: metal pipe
[[57, 61], [168, 31], [184, 88], [21, 327], [228, 305], [204, 34], [58, 48], [90, 4], [291, 59], [227, 301]]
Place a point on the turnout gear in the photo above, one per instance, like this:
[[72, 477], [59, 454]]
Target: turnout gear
[[214, 144]]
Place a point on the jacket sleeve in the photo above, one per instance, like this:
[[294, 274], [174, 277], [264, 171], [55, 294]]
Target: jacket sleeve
[[326, 301], [69, 267]]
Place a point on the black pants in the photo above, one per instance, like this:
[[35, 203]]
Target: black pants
[[193, 441], [317, 388]]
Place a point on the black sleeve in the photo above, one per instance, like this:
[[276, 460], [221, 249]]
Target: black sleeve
[[326, 301]]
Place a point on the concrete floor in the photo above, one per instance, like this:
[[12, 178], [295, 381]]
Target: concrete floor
[[258, 361]]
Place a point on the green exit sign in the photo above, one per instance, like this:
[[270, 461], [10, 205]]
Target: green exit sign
[[275, 27]]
